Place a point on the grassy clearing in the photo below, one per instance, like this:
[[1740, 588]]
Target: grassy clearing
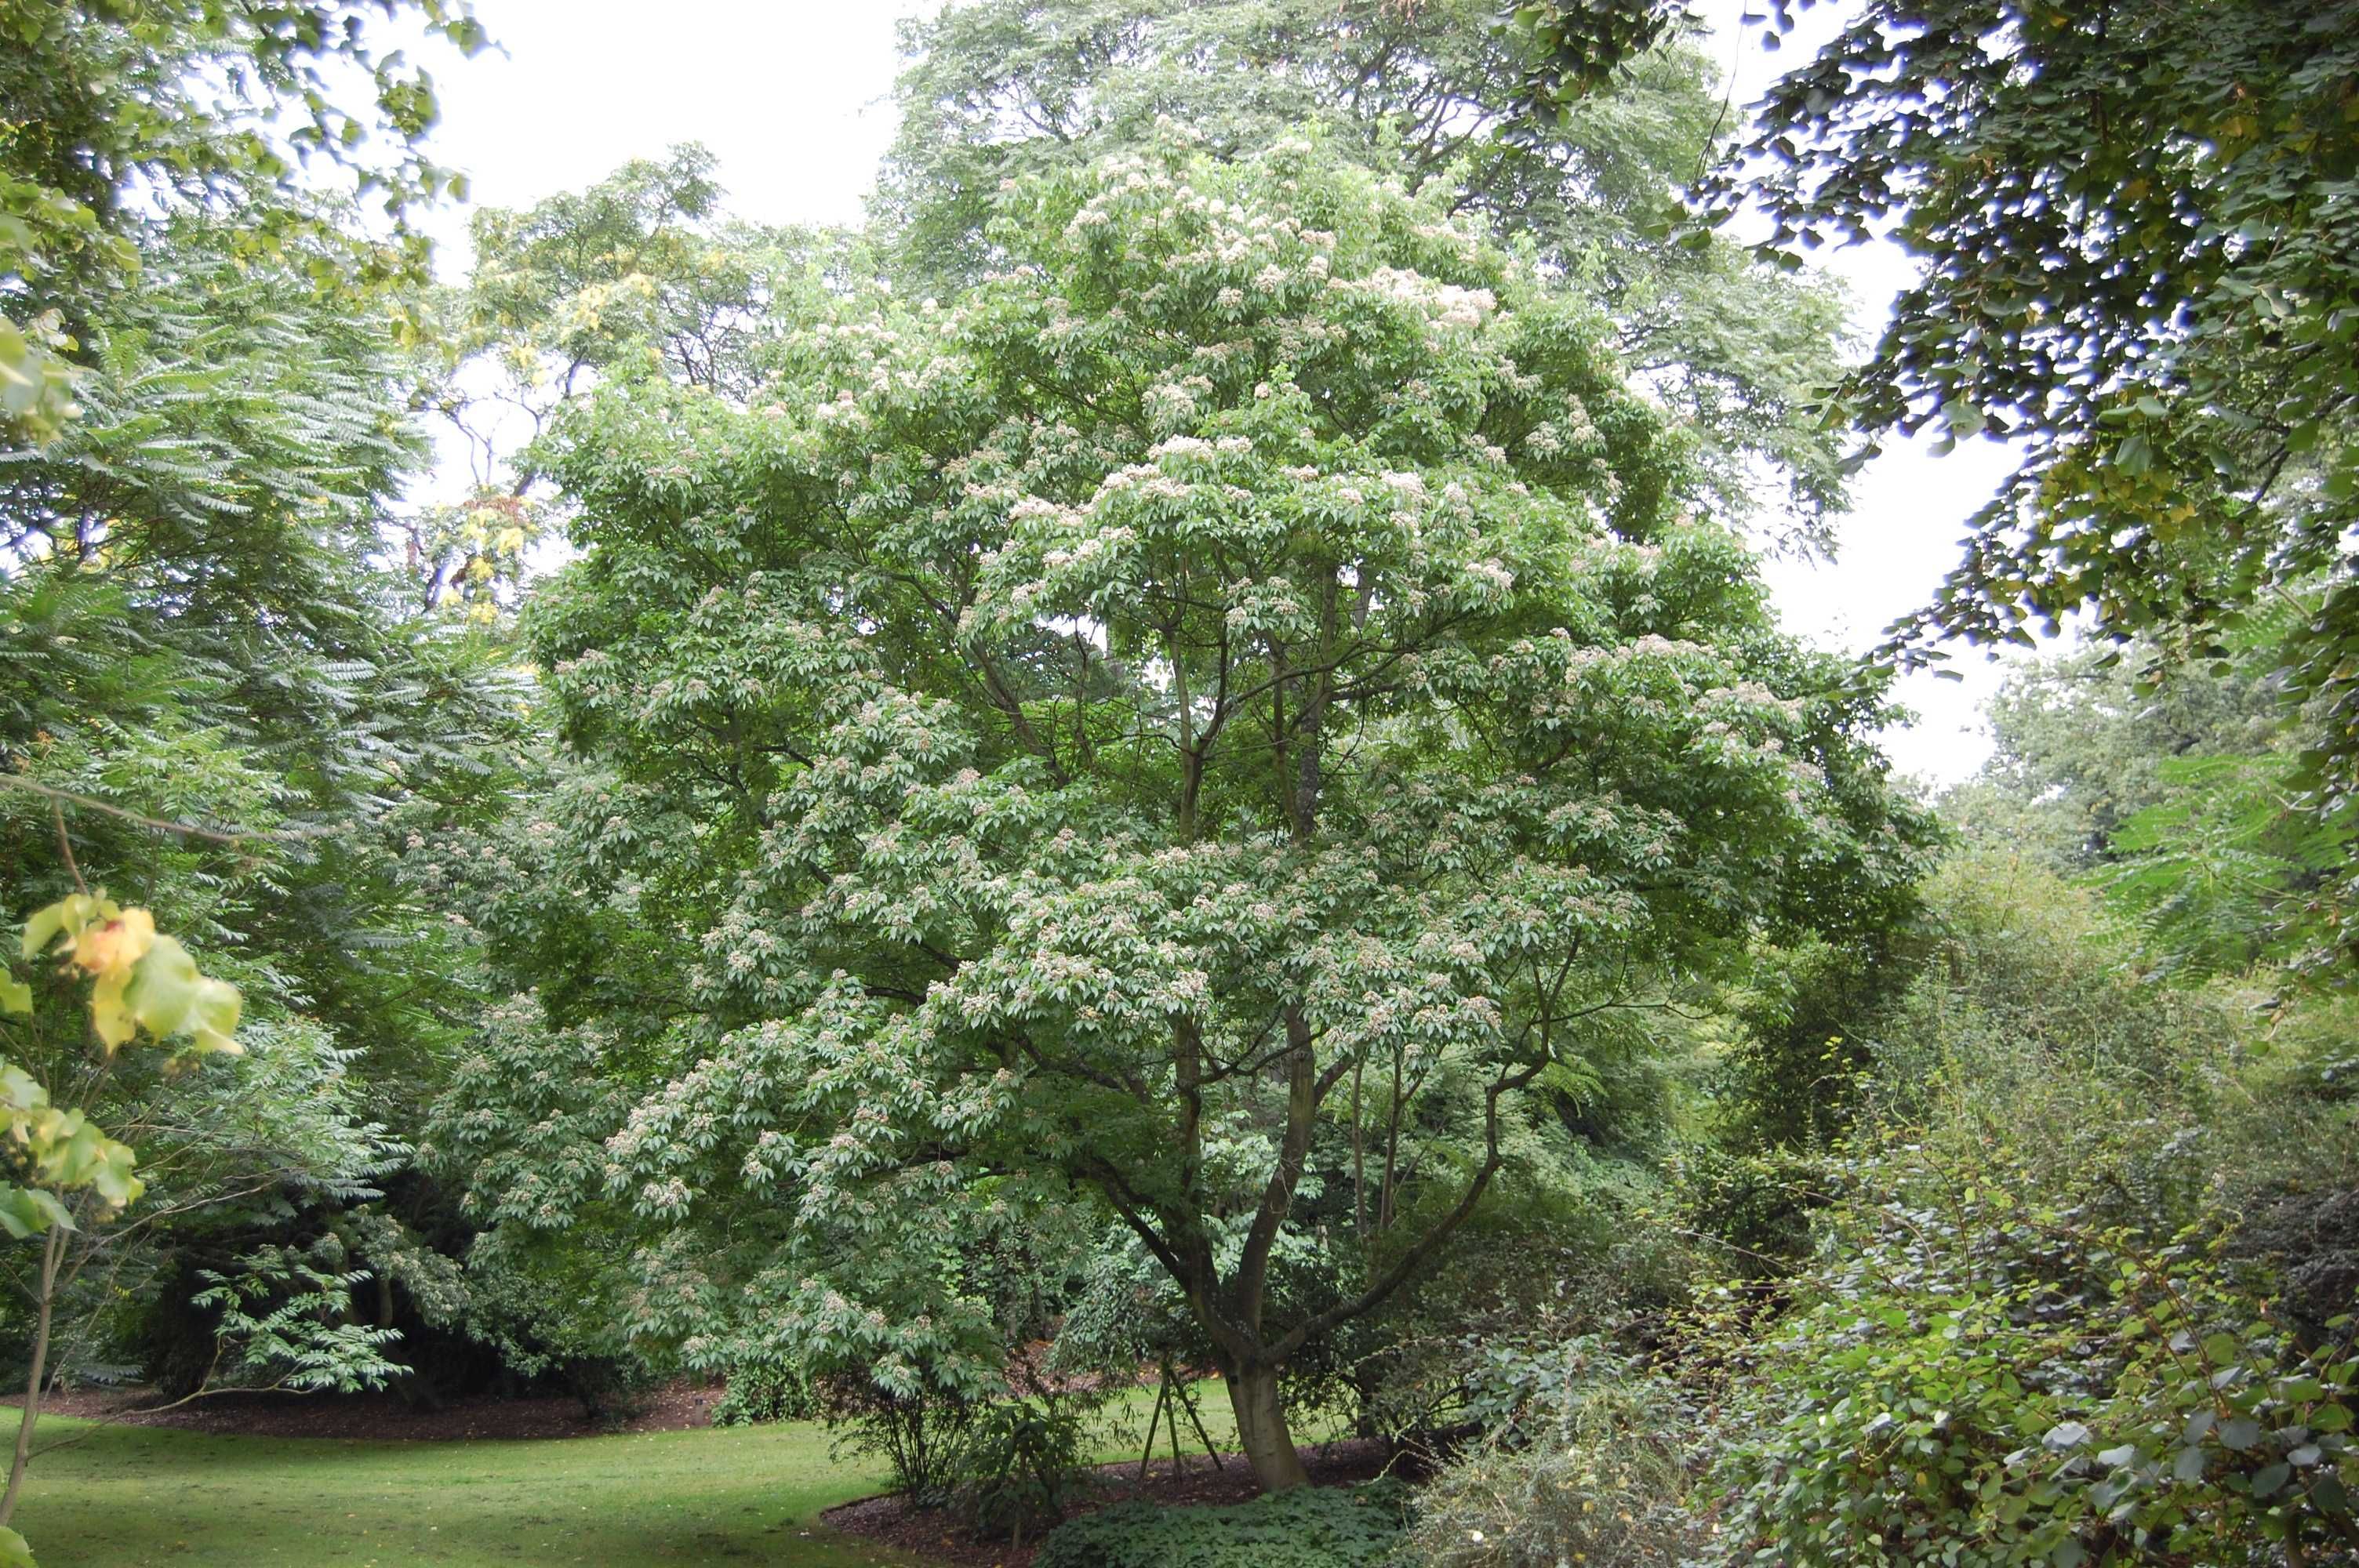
[[126, 1497], [121, 1497]]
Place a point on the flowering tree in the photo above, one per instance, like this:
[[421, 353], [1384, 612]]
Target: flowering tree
[[1427, 91], [1250, 649]]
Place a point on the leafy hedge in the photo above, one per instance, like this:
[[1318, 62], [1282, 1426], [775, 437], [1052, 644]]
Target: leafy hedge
[[1312, 1527], [760, 1393], [1989, 1381]]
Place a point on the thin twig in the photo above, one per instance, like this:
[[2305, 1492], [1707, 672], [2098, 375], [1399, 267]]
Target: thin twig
[[58, 799], [65, 845]]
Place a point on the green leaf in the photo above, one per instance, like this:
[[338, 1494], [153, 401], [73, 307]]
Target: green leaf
[[163, 988], [14, 1551], [29, 1211], [19, 1091], [213, 1019], [2066, 1435], [66, 916], [168, 997], [15, 996]]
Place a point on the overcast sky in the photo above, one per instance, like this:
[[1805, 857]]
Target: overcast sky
[[792, 96]]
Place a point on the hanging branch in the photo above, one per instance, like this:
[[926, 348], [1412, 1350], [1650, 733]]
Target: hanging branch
[[60, 798]]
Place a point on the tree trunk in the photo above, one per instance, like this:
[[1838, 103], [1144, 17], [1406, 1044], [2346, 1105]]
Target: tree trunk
[[1262, 1431], [36, 1381]]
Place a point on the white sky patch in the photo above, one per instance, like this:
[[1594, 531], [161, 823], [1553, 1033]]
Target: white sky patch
[[793, 97]]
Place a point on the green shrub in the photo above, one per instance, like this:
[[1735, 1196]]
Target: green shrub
[[1584, 1465], [1983, 1376], [920, 1433], [1547, 1263], [612, 1390], [1791, 1076], [1022, 1466], [1309, 1527], [2032, 978], [760, 1393], [1757, 1205]]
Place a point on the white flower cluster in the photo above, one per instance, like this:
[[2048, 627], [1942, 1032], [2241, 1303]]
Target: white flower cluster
[[1444, 304], [1492, 572]]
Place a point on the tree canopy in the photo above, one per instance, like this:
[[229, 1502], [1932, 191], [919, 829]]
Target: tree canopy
[[221, 712], [1254, 641], [2138, 242], [1425, 93]]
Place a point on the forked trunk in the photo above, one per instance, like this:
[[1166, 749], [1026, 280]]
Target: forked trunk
[[1262, 1431]]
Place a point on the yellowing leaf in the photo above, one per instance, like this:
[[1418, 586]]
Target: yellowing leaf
[[15, 996], [108, 1013], [111, 947], [65, 917]]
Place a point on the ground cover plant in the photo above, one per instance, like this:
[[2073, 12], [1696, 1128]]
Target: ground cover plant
[[1332, 1527]]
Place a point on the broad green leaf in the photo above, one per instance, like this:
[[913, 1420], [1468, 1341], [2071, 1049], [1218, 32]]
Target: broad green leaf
[[213, 1019], [19, 1091], [65, 917], [29, 1211], [163, 989]]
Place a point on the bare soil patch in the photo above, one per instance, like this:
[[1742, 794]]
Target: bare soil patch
[[938, 1534]]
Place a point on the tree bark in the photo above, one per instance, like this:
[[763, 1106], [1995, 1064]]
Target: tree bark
[[52, 1248], [1261, 1427]]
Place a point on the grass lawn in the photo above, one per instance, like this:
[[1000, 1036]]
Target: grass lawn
[[125, 1497]]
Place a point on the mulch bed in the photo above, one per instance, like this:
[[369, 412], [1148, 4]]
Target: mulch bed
[[933, 1532], [376, 1417]]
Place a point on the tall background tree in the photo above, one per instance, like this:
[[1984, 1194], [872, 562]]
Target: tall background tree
[[2141, 263], [1423, 94], [206, 212]]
